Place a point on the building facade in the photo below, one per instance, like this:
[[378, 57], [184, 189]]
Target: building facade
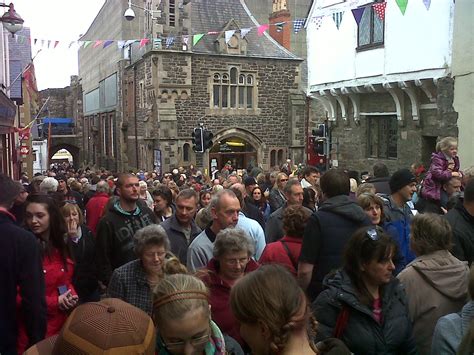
[[244, 88], [386, 87]]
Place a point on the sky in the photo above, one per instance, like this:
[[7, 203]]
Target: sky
[[56, 20]]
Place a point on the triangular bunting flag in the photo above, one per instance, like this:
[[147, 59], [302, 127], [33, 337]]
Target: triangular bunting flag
[[107, 43], [402, 4], [130, 41], [197, 38], [337, 17], [120, 44], [379, 9], [56, 44], [298, 25], [262, 28], [213, 32], [279, 26], [70, 44], [97, 43], [358, 14], [86, 43], [169, 41], [49, 43], [157, 43], [35, 40], [186, 40], [427, 4], [143, 42], [42, 43], [318, 20], [244, 32], [228, 35]]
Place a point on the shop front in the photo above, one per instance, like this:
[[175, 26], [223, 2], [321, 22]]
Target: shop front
[[234, 150], [8, 151]]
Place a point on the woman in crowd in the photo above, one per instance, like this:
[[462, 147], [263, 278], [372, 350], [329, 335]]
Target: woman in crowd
[[373, 206], [436, 282], [232, 260], [274, 314], [183, 318], [363, 305], [134, 281], [43, 218], [277, 198], [454, 333], [81, 243], [287, 250], [260, 201], [163, 203], [145, 194], [204, 199], [310, 198]]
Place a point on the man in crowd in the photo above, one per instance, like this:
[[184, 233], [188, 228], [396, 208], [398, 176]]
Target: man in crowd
[[20, 271], [380, 179], [224, 208], [247, 207], [181, 228], [397, 212], [327, 232], [450, 187], [461, 219], [274, 226], [311, 177], [114, 245], [69, 195], [96, 205]]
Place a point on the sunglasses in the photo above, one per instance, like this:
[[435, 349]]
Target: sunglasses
[[372, 234]]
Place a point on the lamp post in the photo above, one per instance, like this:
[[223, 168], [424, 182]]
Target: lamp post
[[12, 21]]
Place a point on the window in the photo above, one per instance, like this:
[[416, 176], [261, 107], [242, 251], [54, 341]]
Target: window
[[186, 152], [233, 90], [382, 137], [370, 32], [172, 13]]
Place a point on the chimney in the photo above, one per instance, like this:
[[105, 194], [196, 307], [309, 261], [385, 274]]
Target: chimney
[[280, 15]]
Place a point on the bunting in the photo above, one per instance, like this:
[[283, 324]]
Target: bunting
[[337, 17], [56, 44], [279, 26], [298, 25], [120, 44], [402, 4], [143, 42], [379, 9], [318, 21], [169, 41], [427, 4], [86, 43], [107, 43], [262, 28], [358, 14], [228, 35], [97, 43], [157, 43], [197, 38], [244, 32], [186, 40]]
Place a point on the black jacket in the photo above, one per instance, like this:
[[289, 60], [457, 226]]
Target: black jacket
[[85, 279], [363, 334], [326, 235], [114, 240], [178, 242], [381, 184], [462, 224], [20, 267]]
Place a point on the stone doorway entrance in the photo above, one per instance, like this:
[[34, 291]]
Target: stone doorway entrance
[[238, 151]]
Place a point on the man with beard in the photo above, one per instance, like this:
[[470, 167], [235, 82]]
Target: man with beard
[[115, 230]]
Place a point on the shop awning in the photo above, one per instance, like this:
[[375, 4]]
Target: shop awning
[[7, 114], [57, 120]]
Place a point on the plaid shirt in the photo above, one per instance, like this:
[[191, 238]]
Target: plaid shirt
[[129, 283]]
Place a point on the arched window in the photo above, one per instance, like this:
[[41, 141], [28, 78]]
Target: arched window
[[233, 90], [273, 161], [186, 152], [280, 157]]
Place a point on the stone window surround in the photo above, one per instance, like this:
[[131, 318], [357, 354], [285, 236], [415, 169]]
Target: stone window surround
[[240, 74], [276, 156]]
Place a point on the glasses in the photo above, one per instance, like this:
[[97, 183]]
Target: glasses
[[234, 262], [195, 342], [372, 234], [283, 180]]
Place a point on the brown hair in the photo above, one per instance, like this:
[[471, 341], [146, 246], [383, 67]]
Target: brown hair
[[430, 232], [366, 187], [366, 199], [272, 295], [294, 220]]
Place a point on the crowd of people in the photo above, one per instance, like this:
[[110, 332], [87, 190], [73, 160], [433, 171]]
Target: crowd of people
[[292, 261]]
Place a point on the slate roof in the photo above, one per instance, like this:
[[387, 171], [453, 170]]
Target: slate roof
[[213, 15]]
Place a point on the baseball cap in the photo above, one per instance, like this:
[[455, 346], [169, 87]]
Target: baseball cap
[[111, 327]]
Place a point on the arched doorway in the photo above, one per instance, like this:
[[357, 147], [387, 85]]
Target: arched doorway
[[236, 150]]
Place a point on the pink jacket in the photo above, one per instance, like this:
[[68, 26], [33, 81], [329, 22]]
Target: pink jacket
[[437, 175]]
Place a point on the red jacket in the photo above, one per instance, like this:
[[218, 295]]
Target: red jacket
[[54, 276], [219, 298], [276, 253], [95, 209]]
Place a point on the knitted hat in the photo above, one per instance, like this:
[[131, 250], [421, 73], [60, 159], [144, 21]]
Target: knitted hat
[[250, 180], [110, 326], [400, 179]]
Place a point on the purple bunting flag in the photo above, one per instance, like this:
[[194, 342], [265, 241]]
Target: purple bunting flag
[[358, 14], [427, 4]]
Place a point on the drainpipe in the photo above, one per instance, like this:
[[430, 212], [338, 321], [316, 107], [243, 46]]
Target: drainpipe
[[135, 113]]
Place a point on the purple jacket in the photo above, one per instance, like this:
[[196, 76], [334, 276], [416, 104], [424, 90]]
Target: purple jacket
[[437, 175]]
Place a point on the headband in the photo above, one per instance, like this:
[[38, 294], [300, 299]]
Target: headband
[[181, 295]]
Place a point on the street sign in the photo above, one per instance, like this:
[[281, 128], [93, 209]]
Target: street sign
[[24, 150]]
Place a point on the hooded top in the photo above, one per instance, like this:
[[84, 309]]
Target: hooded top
[[436, 285]]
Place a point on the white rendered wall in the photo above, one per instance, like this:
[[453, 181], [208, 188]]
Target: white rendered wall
[[418, 43]]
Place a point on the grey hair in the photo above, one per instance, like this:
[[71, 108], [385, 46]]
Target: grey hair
[[291, 182], [232, 240], [49, 184], [153, 234], [102, 186], [216, 199]]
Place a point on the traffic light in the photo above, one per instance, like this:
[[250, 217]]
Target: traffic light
[[207, 139], [320, 147], [320, 131], [198, 140]]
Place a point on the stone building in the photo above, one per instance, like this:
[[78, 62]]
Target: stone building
[[386, 87], [244, 89]]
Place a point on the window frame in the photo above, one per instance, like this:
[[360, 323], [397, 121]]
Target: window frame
[[236, 91], [376, 123], [371, 44]]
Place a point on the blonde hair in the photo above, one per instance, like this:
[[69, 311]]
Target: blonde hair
[[178, 294], [445, 143], [68, 208]]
